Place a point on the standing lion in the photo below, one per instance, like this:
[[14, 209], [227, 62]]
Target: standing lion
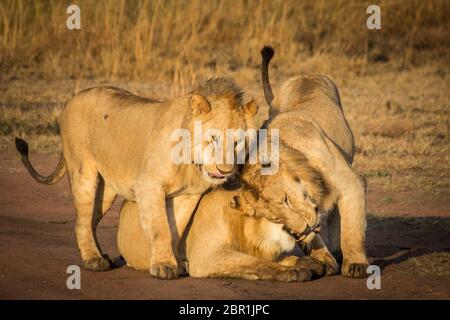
[[116, 143], [314, 132]]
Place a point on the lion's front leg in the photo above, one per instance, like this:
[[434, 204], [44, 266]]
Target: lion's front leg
[[353, 228], [150, 199], [235, 264], [317, 267], [320, 252], [180, 212], [351, 204]]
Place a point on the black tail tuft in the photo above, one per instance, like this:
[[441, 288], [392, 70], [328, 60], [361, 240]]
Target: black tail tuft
[[267, 53], [22, 146]]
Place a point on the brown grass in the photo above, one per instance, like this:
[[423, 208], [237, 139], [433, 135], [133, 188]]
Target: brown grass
[[435, 264], [162, 40], [394, 82]]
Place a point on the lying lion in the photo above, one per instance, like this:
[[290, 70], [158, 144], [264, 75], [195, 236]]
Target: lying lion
[[242, 233], [314, 132], [117, 143]]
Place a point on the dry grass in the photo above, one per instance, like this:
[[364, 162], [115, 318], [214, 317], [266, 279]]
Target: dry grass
[[171, 39], [394, 82], [401, 125], [435, 264]]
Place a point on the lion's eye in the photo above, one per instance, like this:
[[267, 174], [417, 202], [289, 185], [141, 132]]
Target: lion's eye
[[214, 138]]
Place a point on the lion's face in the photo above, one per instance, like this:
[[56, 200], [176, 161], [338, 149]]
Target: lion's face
[[282, 198], [220, 146]]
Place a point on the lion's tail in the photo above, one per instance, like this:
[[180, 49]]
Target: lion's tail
[[22, 147], [267, 54]]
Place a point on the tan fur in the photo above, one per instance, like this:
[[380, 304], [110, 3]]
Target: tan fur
[[314, 134], [316, 150], [236, 233], [124, 141]]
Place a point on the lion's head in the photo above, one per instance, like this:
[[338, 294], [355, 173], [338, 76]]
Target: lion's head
[[219, 113], [289, 197]]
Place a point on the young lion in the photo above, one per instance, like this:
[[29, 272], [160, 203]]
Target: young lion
[[313, 128], [116, 143], [240, 232]]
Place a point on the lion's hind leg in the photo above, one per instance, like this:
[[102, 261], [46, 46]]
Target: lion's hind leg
[[104, 199], [84, 182]]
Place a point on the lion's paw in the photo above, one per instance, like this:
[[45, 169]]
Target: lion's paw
[[329, 262], [97, 264], [164, 271], [294, 275], [317, 267], [354, 270], [332, 269]]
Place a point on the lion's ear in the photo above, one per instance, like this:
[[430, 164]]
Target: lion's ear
[[199, 105], [251, 108], [241, 206]]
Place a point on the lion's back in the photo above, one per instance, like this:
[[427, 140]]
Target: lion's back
[[314, 98], [99, 124]]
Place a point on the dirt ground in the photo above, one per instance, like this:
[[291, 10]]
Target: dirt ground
[[37, 243], [394, 84]]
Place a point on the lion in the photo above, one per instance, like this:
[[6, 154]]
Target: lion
[[308, 112], [243, 230], [116, 143]]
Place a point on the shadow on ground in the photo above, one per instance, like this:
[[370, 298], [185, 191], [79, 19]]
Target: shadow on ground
[[393, 240]]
